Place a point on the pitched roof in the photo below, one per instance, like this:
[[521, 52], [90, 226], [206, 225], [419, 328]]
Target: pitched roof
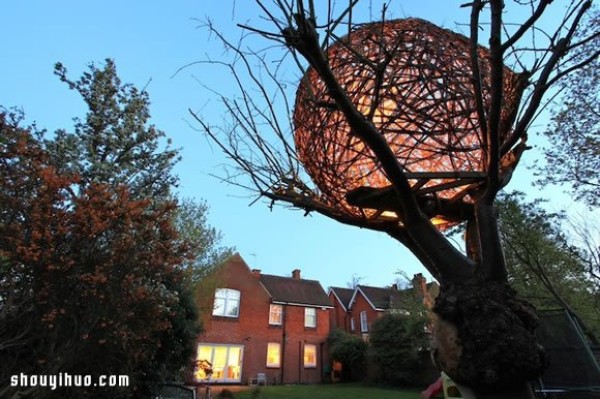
[[295, 291], [344, 295], [378, 297], [382, 298]]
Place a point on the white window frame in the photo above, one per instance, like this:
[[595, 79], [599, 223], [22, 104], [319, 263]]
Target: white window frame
[[275, 315], [221, 371], [307, 348], [310, 317], [364, 325], [352, 324], [231, 300], [275, 346]]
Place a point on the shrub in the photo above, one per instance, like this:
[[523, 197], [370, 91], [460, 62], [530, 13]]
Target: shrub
[[396, 342], [350, 350]]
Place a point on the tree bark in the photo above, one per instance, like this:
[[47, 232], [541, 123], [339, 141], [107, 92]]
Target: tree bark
[[484, 338]]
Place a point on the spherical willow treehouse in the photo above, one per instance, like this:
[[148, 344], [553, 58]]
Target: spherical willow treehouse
[[413, 81]]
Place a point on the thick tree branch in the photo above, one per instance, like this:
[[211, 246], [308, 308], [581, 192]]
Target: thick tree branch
[[497, 97], [492, 264], [304, 39], [476, 8]]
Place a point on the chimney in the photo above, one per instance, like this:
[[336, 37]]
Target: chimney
[[394, 287], [419, 284], [256, 273], [296, 274]]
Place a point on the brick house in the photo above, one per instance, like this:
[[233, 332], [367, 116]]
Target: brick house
[[355, 310], [256, 323], [340, 314]]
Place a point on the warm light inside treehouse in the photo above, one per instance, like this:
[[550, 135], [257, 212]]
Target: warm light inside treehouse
[[412, 80]]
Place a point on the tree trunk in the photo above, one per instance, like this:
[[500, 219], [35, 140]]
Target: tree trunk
[[484, 339]]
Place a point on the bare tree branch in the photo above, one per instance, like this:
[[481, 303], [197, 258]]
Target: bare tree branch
[[279, 173]]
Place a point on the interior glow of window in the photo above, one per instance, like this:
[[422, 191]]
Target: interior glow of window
[[275, 315], [310, 355], [273, 354]]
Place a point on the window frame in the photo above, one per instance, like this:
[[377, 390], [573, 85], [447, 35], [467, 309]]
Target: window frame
[[364, 324], [308, 317], [274, 346], [221, 372], [223, 294], [313, 364], [273, 322]]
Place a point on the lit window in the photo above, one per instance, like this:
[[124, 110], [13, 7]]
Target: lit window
[[227, 303], [310, 356], [273, 354], [310, 317], [225, 361], [352, 325], [275, 315], [364, 327]]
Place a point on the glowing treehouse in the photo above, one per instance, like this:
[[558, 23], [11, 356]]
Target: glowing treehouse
[[413, 81]]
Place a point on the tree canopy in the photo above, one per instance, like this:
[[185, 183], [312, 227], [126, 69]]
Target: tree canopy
[[351, 351], [572, 157], [97, 257], [396, 345], [545, 266], [114, 143], [92, 276]]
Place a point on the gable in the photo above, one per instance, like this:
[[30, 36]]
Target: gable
[[380, 299], [342, 295], [235, 273], [377, 298]]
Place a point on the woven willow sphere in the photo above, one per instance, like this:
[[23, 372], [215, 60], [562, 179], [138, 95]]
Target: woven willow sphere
[[413, 81]]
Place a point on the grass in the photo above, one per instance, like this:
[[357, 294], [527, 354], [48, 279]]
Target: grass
[[329, 391]]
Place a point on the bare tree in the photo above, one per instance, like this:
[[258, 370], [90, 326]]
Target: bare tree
[[406, 128], [585, 231], [572, 160], [355, 281]]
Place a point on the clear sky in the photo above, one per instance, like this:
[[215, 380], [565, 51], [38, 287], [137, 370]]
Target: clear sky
[[149, 41]]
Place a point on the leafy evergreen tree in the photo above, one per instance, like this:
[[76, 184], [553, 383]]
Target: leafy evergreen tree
[[95, 250], [114, 143], [350, 350], [396, 342], [192, 224], [93, 280]]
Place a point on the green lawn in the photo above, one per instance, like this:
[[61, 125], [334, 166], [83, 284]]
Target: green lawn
[[329, 391]]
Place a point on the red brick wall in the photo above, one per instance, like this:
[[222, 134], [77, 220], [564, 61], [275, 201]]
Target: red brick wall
[[252, 330], [339, 318], [361, 304], [296, 337]]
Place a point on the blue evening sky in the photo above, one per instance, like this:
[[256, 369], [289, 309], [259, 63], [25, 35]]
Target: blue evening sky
[[150, 40]]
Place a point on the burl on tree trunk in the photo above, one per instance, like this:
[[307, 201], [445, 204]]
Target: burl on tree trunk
[[484, 338]]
